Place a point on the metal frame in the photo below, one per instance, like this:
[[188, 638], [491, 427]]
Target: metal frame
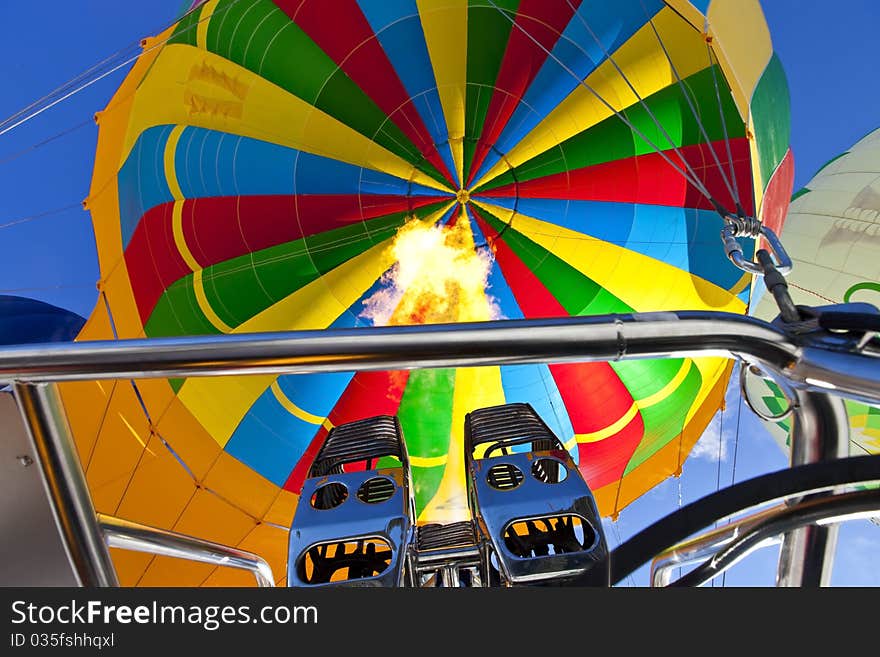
[[677, 528], [822, 430], [704, 546], [65, 484], [815, 368], [87, 534], [448, 563], [128, 535], [724, 547]]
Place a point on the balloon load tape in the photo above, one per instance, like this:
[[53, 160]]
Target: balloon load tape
[[534, 520]]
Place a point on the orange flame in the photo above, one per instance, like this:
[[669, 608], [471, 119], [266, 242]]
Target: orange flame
[[438, 276]]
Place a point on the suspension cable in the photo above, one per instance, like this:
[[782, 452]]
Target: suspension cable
[[724, 128], [696, 183], [720, 455], [23, 220], [735, 452], [5, 123], [619, 541], [680, 505], [641, 101], [736, 225], [734, 195], [87, 79], [44, 142], [45, 288]]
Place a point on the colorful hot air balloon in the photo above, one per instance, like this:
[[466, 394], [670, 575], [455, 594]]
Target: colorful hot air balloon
[[832, 234], [27, 321], [306, 165]]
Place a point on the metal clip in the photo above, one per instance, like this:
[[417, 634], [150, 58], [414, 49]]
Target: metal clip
[[748, 226]]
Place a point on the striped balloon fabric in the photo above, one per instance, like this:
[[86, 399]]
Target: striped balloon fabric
[[313, 164]]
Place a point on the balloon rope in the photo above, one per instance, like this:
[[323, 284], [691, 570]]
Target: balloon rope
[[813, 292], [44, 288], [155, 431], [723, 124], [144, 449], [64, 87], [39, 144], [695, 182], [693, 109], [87, 78], [642, 102], [720, 445], [39, 215], [88, 460], [735, 451], [680, 505], [619, 541]]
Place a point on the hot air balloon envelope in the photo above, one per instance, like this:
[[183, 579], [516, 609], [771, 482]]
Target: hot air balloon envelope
[[283, 165]]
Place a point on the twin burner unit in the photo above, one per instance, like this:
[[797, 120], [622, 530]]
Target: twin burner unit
[[534, 519]]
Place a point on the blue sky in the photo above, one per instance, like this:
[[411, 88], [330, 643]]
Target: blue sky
[[828, 49]]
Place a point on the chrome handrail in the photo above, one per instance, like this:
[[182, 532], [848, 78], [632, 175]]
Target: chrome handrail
[[65, 484], [764, 527], [816, 371], [128, 535], [699, 548], [571, 339]]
